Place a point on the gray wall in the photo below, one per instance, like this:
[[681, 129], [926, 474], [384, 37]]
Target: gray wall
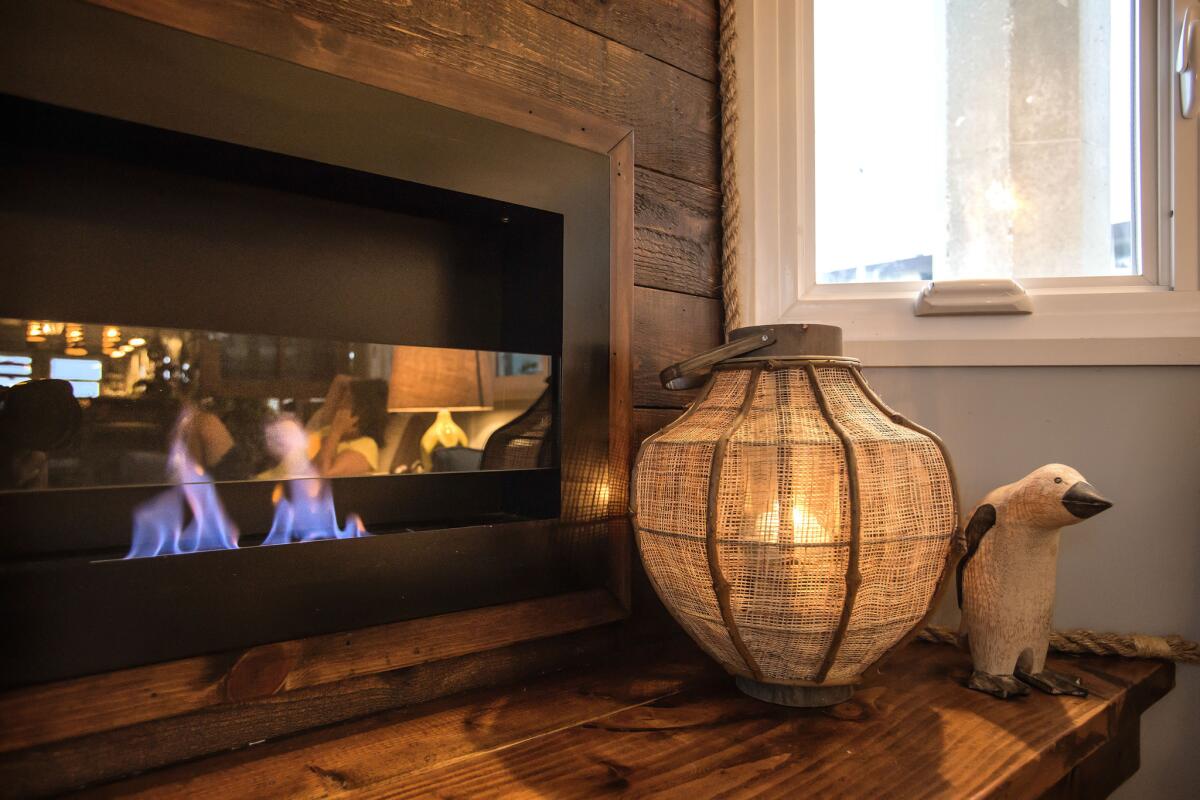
[[1134, 432]]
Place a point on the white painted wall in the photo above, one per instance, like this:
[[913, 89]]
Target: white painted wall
[[1134, 432]]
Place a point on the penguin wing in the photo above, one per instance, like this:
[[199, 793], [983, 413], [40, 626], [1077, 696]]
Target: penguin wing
[[982, 521]]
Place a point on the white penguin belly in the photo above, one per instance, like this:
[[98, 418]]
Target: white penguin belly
[[1008, 606]]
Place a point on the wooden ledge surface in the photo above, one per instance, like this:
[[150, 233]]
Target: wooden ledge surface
[[667, 722]]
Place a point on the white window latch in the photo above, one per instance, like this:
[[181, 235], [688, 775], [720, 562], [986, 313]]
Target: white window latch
[[1185, 63], [975, 296]]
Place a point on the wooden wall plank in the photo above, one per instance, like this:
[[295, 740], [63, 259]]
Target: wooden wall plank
[[682, 33], [62, 766], [514, 44], [649, 420], [677, 235], [368, 756], [57, 711], [278, 34], [669, 327]]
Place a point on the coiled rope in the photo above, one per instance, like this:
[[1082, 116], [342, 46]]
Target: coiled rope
[[1084, 642]]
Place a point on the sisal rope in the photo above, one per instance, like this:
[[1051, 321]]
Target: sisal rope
[[1083, 642], [730, 199]]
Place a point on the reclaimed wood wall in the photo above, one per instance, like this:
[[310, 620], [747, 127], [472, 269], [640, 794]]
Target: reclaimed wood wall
[[651, 64], [648, 64]]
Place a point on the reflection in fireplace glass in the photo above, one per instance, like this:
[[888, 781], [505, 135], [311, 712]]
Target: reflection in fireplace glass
[[144, 405]]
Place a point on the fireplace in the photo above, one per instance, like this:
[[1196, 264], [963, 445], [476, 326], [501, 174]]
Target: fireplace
[[286, 383]]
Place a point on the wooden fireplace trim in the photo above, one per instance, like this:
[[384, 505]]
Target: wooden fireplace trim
[[53, 712]]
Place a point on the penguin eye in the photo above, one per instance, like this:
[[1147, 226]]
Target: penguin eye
[[1058, 480]]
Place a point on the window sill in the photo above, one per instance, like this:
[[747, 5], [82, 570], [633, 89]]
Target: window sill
[[1087, 326]]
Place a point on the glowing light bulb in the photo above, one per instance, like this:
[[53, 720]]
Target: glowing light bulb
[[806, 527], [117, 354], [112, 332], [137, 341]]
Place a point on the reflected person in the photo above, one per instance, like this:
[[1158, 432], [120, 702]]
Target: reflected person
[[346, 433]]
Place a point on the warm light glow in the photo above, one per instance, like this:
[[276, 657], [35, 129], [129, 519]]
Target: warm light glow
[[1001, 197], [128, 348], [76, 351], [117, 354], [766, 526], [806, 526], [33, 332], [137, 341], [112, 333]]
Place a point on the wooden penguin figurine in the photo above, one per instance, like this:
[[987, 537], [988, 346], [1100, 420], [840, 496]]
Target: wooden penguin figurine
[[1006, 579]]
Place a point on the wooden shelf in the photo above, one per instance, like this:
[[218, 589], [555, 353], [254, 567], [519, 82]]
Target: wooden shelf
[[667, 721]]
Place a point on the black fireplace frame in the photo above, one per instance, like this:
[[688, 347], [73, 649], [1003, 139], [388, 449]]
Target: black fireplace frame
[[78, 613]]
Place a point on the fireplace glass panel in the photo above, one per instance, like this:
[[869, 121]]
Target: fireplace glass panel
[[129, 405]]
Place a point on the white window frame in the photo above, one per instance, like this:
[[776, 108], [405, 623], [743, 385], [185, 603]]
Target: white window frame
[[1153, 318]]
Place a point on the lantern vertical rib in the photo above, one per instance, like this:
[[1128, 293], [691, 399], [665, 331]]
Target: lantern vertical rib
[[721, 587], [957, 545], [905, 422], [701, 396], [853, 576]]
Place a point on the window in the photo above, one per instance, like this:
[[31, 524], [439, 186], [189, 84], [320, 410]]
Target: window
[[996, 143], [83, 374], [885, 145], [14, 369]]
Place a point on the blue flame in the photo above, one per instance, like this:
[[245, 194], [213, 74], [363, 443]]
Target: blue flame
[[158, 524], [304, 512]]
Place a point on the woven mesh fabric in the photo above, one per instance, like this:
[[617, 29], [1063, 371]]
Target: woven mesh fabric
[[783, 522]]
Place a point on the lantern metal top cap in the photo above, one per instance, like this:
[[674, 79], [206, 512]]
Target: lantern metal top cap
[[792, 341], [774, 344]]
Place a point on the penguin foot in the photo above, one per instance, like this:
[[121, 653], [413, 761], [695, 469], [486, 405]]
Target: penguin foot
[[1002, 686], [1052, 682]]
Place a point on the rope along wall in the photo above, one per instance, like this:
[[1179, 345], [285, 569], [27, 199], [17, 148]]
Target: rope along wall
[[1132, 645], [730, 199]]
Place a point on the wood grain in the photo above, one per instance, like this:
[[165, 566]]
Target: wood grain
[[323, 47], [666, 725], [57, 711], [647, 421], [61, 766], [669, 327], [677, 245], [368, 757], [682, 33], [521, 47], [620, 364]]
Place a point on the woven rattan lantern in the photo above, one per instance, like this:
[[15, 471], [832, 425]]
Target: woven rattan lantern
[[795, 526]]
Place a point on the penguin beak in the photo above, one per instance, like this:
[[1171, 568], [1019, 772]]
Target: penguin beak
[[1084, 501]]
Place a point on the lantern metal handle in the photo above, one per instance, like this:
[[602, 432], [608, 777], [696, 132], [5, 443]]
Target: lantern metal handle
[[694, 371]]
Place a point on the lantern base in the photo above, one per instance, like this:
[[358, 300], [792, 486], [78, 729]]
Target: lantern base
[[795, 696]]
